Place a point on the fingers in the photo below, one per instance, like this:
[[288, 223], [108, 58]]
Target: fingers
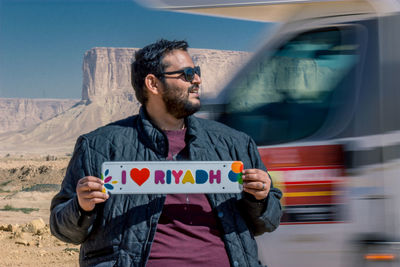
[[90, 192], [256, 182], [90, 183]]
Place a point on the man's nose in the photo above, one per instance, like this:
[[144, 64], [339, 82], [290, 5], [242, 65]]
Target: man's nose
[[196, 79]]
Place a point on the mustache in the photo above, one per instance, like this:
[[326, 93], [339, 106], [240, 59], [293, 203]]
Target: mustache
[[193, 88]]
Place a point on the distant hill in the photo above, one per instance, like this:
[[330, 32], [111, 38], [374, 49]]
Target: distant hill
[[21, 113]]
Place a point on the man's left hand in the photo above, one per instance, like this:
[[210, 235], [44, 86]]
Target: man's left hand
[[256, 182]]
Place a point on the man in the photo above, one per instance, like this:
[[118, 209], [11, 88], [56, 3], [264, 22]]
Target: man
[[157, 229]]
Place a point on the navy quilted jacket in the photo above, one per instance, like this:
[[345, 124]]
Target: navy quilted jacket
[[120, 231]]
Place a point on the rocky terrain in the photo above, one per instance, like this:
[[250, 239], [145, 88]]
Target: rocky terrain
[[31, 244], [26, 188]]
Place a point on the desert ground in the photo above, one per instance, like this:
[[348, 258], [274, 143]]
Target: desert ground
[[27, 185]]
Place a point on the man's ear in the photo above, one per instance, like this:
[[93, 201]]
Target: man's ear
[[152, 84]]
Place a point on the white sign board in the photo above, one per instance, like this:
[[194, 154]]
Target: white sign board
[[166, 177]]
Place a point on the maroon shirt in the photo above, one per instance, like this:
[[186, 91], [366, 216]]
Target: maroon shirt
[[187, 232]]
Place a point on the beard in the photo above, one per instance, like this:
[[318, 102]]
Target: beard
[[177, 102]]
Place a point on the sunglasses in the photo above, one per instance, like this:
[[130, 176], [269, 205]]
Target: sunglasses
[[188, 72]]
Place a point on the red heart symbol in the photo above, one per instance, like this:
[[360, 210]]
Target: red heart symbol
[[140, 176]]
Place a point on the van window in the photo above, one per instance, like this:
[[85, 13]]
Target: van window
[[287, 97]]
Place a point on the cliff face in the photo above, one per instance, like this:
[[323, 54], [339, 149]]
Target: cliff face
[[19, 113], [107, 95], [107, 71]]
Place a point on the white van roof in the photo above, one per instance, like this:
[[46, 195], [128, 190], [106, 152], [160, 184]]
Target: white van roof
[[274, 10]]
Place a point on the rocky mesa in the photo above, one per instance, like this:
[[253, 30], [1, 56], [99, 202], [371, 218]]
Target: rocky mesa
[[106, 71], [107, 95]]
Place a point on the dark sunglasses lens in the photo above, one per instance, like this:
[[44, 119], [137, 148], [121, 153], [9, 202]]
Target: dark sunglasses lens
[[190, 72], [197, 70]]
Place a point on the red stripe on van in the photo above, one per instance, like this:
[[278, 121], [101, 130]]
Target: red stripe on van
[[308, 176]]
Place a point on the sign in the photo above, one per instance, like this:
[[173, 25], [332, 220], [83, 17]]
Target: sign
[[166, 177]]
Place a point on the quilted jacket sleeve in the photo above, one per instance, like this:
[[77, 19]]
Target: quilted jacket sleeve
[[68, 221], [261, 216]]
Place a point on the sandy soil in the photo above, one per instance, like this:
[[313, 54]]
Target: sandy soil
[[25, 239]]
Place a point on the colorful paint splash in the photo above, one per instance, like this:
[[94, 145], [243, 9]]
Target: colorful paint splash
[[108, 184], [235, 175]]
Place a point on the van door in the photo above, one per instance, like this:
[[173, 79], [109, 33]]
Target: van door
[[295, 104]]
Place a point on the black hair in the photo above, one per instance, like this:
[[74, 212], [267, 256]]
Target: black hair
[[148, 60]]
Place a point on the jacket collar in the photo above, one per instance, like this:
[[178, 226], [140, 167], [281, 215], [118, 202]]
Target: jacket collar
[[154, 138]]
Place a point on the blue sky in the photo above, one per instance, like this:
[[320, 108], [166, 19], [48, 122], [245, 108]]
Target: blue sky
[[42, 42]]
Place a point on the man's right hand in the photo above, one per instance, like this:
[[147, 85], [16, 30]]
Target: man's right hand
[[89, 190]]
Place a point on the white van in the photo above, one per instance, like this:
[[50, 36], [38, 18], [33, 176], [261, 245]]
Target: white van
[[321, 98]]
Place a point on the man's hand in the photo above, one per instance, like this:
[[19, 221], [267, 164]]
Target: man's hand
[[256, 182], [89, 191]]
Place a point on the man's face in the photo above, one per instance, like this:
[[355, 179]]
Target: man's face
[[181, 97]]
